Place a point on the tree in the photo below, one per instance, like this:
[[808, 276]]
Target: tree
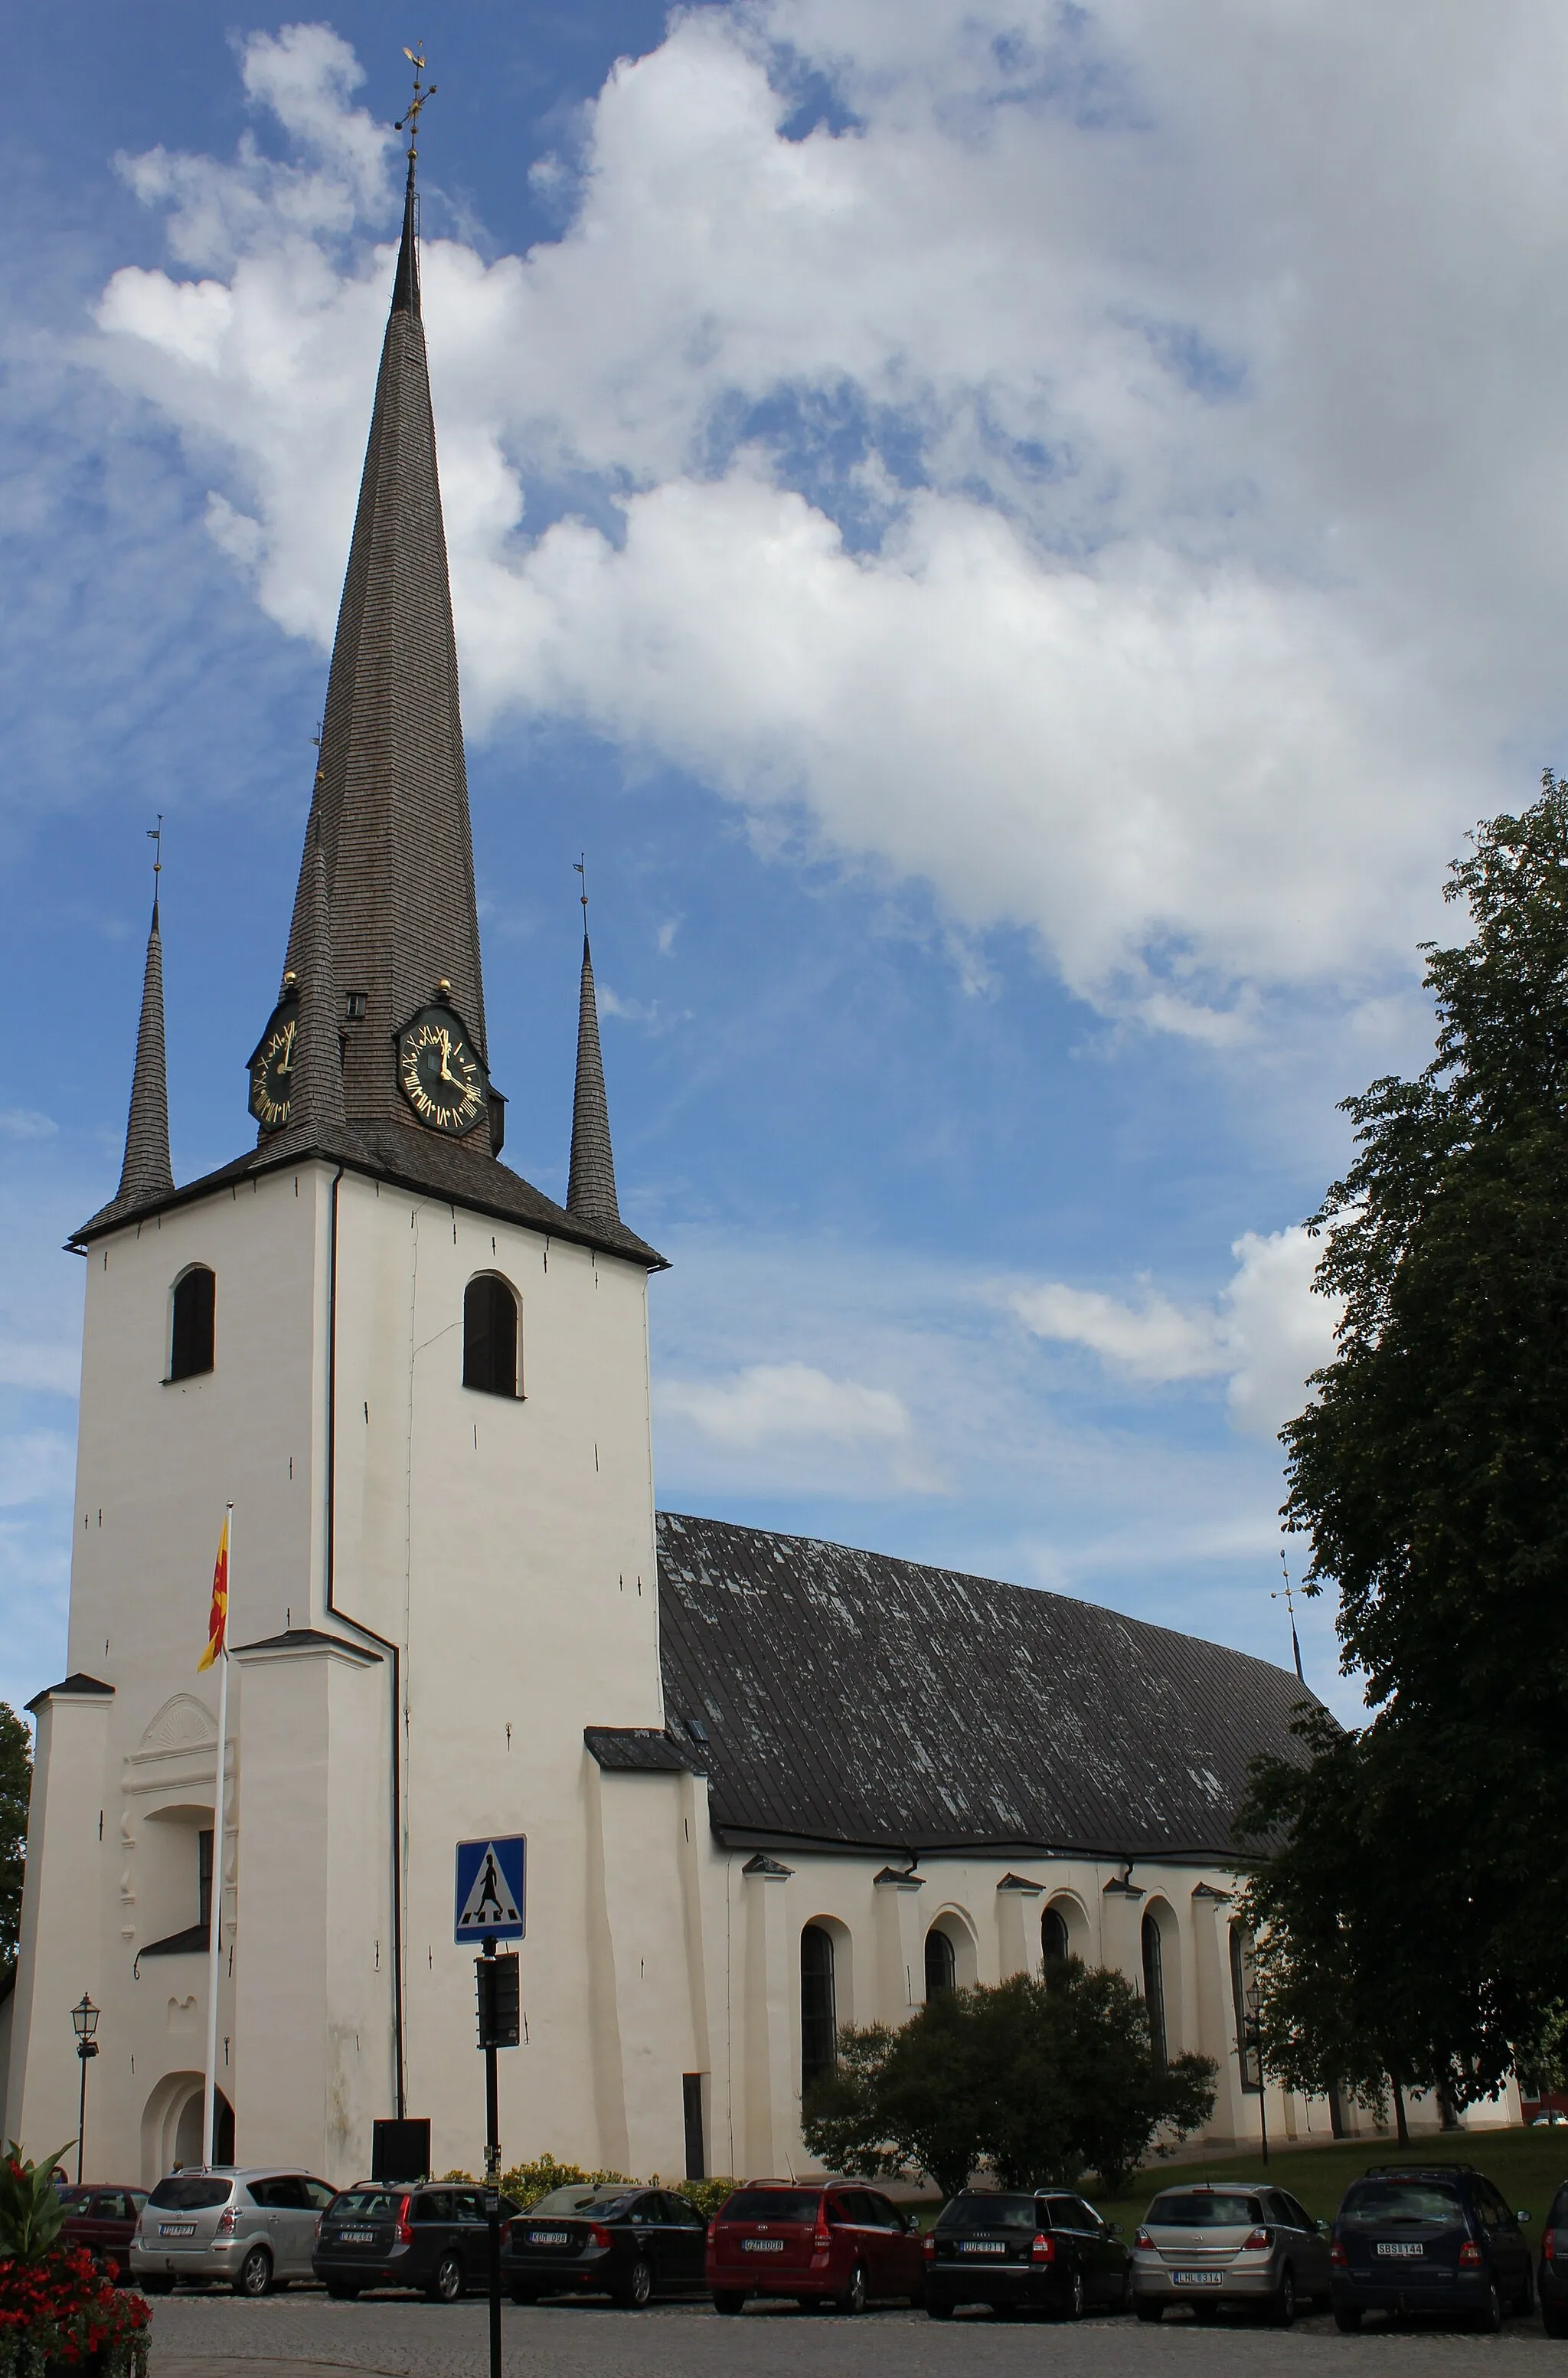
[[1039, 2081], [15, 1783], [1411, 1902]]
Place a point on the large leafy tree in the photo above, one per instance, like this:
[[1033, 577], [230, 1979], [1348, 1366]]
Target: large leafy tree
[[1038, 2081], [16, 1781], [1413, 1904]]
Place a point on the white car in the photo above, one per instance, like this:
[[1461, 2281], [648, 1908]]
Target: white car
[[252, 2230]]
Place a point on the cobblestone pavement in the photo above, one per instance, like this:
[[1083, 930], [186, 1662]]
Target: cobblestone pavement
[[303, 2334]]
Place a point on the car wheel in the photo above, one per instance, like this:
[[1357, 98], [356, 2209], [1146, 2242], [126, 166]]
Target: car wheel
[[636, 2289], [1493, 2313], [160, 2285], [254, 2277], [1554, 2319], [728, 2302], [524, 2295], [1146, 2310], [447, 2287], [938, 2310], [853, 2297], [1125, 2298], [1347, 2319], [1282, 2303], [1074, 2308], [342, 2290], [1526, 2303]]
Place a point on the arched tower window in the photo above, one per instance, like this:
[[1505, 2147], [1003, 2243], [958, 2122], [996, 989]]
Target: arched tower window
[[1154, 1986], [819, 2015], [941, 1966], [1054, 1943], [193, 1322], [489, 1337]]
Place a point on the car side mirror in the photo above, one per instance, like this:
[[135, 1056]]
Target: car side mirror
[[1116, 2230], [1522, 2217], [1324, 2228]]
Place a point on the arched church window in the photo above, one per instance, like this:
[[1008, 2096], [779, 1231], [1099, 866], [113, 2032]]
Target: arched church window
[[941, 1968], [1054, 1943], [819, 2015], [489, 1337], [1241, 1978], [1154, 1986], [192, 1324]]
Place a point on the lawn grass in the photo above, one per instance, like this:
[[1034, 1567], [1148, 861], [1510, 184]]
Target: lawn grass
[[1528, 2166]]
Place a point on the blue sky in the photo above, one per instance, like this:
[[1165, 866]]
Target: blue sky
[[1016, 538]]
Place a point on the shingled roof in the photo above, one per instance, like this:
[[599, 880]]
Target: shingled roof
[[856, 1702]]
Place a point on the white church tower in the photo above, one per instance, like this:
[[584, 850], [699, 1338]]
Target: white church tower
[[423, 1388]]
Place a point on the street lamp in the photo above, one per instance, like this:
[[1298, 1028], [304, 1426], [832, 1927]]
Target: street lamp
[[84, 2022], [1253, 2031]]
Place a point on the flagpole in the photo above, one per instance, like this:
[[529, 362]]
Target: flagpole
[[215, 1894]]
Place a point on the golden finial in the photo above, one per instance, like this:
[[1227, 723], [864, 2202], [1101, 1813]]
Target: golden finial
[[422, 92]]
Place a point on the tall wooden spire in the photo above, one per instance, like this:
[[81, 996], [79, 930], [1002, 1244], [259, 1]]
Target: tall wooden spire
[[147, 1171], [590, 1190], [391, 795]]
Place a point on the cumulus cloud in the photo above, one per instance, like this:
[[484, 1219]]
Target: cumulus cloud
[[1265, 1333], [786, 1399], [1100, 473]]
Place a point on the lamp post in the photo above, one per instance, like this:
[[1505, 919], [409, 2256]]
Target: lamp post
[[1254, 2029], [84, 2022]]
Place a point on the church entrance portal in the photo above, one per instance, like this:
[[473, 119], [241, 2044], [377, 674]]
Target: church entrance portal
[[172, 2127]]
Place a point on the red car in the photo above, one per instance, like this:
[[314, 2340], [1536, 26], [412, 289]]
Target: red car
[[104, 2220], [824, 2245]]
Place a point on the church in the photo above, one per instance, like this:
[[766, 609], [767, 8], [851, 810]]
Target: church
[[768, 1786]]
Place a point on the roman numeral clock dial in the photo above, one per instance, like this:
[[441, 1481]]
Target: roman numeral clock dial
[[439, 1072], [271, 1066]]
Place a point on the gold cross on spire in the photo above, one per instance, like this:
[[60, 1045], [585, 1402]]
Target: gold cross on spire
[[422, 92]]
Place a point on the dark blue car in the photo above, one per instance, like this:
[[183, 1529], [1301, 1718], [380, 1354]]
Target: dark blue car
[[1428, 2238]]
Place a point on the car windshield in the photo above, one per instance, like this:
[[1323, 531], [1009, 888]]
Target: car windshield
[[990, 2213], [365, 2205], [1373, 2202], [771, 2204], [190, 2191], [1201, 2208], [583, 2200]]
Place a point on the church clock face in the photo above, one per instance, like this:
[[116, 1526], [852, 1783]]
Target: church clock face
[[440, 1074], [271, 1068]]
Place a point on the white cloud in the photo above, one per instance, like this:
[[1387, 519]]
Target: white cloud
[[1265, 1333], [52, 1369], [770, 1400], [1191, 565], [23, 1122], [37, 1467]]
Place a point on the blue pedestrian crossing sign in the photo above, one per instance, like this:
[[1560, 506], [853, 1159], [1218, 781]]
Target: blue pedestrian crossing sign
[[491, 1889]]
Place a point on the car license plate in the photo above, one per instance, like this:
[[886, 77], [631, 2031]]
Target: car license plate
[[1197, 2278], [176, 2229], [1406, 2253], [981, 2246], [546, 2237], [761, 2245], [356, 2237]]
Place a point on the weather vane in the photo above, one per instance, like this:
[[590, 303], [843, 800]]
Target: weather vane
[[579, 866], [155, 836], [422, 92], [1286, 1593]]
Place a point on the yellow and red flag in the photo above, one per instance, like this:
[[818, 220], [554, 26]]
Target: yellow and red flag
[[218, 1618]]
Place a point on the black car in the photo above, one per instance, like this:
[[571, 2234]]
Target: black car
[[1428, 2238], [614, 2239], [1552, 2274], [436, 2238], [1047, 2251]]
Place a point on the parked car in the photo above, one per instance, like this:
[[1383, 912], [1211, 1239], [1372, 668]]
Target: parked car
[[1045, 2250], [1552, 2276], [436, 2238], [1428, 2238], [1210, 2244], [104, 2220], [628, 2242], [250, 2231], [824, 2244]]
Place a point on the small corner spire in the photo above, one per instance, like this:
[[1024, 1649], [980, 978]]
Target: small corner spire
[[147, 1171], [405, 287], [590, 1189]]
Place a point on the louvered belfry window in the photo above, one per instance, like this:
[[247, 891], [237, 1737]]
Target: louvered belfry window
[[191, 1333], [489, 1337]]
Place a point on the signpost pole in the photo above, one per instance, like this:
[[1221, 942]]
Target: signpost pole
[[493, 2174]]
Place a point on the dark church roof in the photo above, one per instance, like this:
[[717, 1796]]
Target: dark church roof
[[851, 1701]]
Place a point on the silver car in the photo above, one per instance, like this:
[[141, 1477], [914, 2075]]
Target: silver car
[[250, 2231], [1228, 2242]]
